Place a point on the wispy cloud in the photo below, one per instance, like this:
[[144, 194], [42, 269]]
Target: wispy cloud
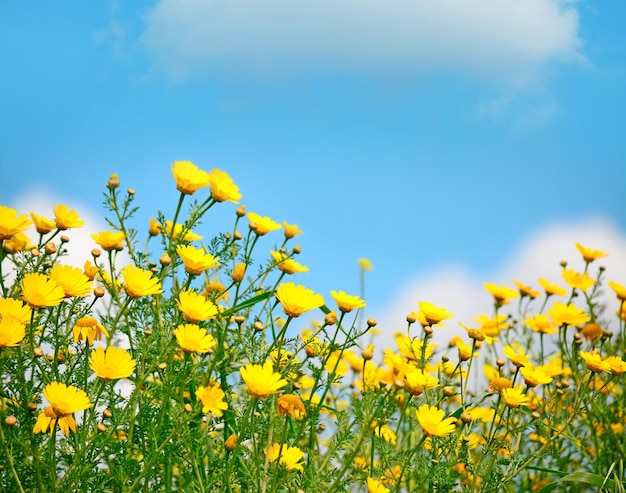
[[508, 41]]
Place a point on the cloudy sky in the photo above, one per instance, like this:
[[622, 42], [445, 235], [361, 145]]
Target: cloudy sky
[[450, 142]]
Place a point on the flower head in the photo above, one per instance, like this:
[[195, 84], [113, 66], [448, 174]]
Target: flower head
[[194, 339], [139, 283], [501, 294], [297, 299], [568, 314], [616, 364], [595, 362], [291, 405], [11, 333], [287, 264], [432, 421], [64, 402], [541, 323], [514, 397], [195, 307], [432, 314], [222, 187], [178, 234], [525, 290], [346, 302], [40, 291], [12, 224], [535, 376], [43, 225], [262, 225], [552, 289], [88, 329], [73, 281], [212, 399], [365, 264], [112, 364], [589, 254], [109, 240], [196, 260], [262, 381], [619, 289], [518, 358], [66, 218], [189, 178], [11, 309], [376, 486], [577, 280], [17, 243], [417, 380], [287, 456], [291, 230]]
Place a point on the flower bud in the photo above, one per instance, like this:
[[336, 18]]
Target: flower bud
[[113, 182], [231, 443], [38, 352], [131, 191], [50, 248], [95, 253], [98, 291], [330, 318], [165, 259], [241, 211], [371, 322], [239, 272], [258, 326], [107, 414], [101, 427], [64, 239], [368, 353], [10, 421]]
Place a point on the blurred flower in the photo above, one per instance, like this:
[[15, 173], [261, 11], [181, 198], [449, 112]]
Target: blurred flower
[[589, 254], [617, 365], [501, 294], [212, 399], [178, 231], [11, 332], [492, 326], [90, 270], [365, 264], [43, 225], [591, 332], [66, 218], [88, 329], [376, 486], [291, 405], [195, 307], [518, 358], [262, 225], [40, 291], [432, 421], [222, 187], [552, 289], [112, 364], [139, 283], [73, 281], [194, 339], [289, 457], [262, 381], [291, 230], [64, 402], [346, 302], [525, 290], [576, 280], [386, 434], [12, 224], [154, 229], [412, 348], [287, 264], [416, 380], [568, 314], [189, 178], [619, 289], [594, 362], [196, 260], [514, 397], [17, 243], [14, 310], [541, 323], [109, 240], [297, 299], [432, 314], [535, 376]]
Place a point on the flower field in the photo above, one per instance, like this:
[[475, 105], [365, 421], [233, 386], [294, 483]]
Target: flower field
[[188, 368]]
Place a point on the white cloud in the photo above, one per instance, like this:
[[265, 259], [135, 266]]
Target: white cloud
[[462, 292], [507, 40]]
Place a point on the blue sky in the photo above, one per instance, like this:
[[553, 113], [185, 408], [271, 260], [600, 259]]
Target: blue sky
[[420, 135]]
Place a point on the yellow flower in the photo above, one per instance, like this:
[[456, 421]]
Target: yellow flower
[[376, 486], [12, 224], [465, 351], [11, 333], [194, 339], [617, 365], [541, 323], [552, 289], [594, 362], [289, 457], [112, 364], [619, 289], [262, 381], [432, 314], [291, 405], [90, 270], [519, 359], [591, 332], [196, 260], [14, 310], [412, 348], [262, 225], [154, 229], [589, 254], [189, 178], [287, 264], [291, 230], [212, 399], [66, 218], [386, 434], [43, 225], [139, 283], [88, 329], [514, 397], [365, 264], [239, 272], [178, 231], [346, 302], [40, 291], [525, 290], [416, 380], [64, 402], [501, 294], [109, 240], [568, 314], [535, 376], [73, 281], [222, 187], [576, 280], [195, 307], [17, 243], [432, 421], [297, 299]]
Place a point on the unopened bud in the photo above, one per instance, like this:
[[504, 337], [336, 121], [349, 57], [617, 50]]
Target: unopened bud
[[466, 417], [113, 182], [330, 318], [500, 362], [239, 319], [231, 443], [563, 263], [449, 391], [535, 415], [241, 211], [32, 406], [98, 291], [258, 326], [131, 191], [297, 250], [107, 413], [10, 421], [64, 239], [165, 259], [428, 330], [188, 408], [371, 322], [411, 318], [101, 427], [38, 352], [239, 272], [162, 366], [368, 353], [50, 248], [95, 253], [35, 252], [238, 235]]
